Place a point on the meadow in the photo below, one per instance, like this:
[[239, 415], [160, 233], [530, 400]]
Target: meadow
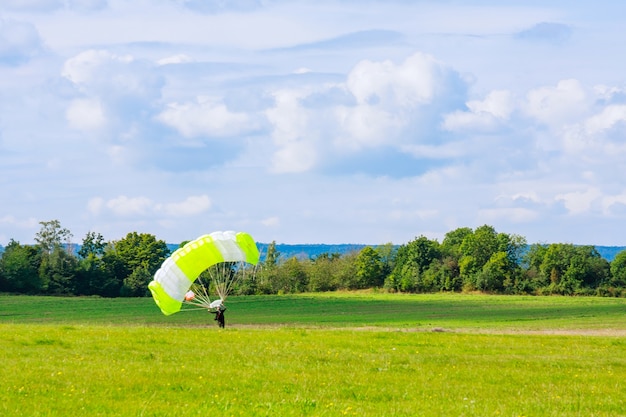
[[329, 354]]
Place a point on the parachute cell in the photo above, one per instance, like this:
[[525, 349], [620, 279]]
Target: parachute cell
[[172, 282]]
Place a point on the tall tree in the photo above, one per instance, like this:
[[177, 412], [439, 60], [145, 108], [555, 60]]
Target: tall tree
[[369, 268], [19, 267], [93, 243], [618, 270], [52, 235], [142, 255]]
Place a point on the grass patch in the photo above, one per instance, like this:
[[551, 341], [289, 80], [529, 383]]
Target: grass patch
[[313, 355], [422, 312]]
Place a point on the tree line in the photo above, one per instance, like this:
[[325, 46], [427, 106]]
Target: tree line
[[466, 260]]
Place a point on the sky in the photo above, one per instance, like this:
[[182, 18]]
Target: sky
[[326, 121]]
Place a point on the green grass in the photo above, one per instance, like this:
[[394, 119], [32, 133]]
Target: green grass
[[421, 312], [316, 355]]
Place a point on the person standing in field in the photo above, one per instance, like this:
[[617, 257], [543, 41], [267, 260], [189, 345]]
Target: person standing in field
[[219, 315]]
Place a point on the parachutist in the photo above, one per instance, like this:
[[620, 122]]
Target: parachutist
[[219, 315]]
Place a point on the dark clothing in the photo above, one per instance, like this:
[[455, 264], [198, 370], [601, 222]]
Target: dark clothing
[[219, 316]]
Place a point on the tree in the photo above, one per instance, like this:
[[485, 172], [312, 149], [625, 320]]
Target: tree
[[568, 268], [369, 268], [93, 243], [291, 277], [479, 248], [141, 256], [387, 254], [494, 273], [322, 272], [136, 284], [58, 271], [261, 281], [52, 235], [411, 261], [19, 267], [451, 245], [271, 259], [618, 270]]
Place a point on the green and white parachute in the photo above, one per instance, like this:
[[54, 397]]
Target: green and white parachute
[[224, 255]]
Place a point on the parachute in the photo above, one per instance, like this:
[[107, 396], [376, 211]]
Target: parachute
[[225, 255]]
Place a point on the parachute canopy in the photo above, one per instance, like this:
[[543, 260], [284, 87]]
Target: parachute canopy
[[172, 282]]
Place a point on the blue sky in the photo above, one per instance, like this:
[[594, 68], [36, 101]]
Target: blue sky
[[322, 121]]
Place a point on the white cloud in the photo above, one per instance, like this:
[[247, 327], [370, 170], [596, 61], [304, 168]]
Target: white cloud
[[557, 106], [366, 126], [85, 67], [579, 202], [125, 84], [207, 117], [124, 206], [484, 115], [192, 205], [130, 206], [175, 59], [413, 82], [606, 119], [85, 114], [292, 133]]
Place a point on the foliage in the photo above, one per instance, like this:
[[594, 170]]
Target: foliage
[[480, 259], [19, 267], [52, 235]]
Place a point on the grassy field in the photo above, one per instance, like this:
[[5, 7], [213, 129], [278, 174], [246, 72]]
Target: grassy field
[[318, 355]]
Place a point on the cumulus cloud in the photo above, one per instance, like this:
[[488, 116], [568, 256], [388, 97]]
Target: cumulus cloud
[[192, 205], [19, 42], [578, 202], [130, 206], [389, 105], [557, 106], [112, 91], [413, 82], [606, 119], [482, 115], [292, 134], [103, 73], [206, 117]]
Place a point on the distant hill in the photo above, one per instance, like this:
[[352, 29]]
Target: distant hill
[[609, 252], [302, 251], [306, 251], [313, 250]]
